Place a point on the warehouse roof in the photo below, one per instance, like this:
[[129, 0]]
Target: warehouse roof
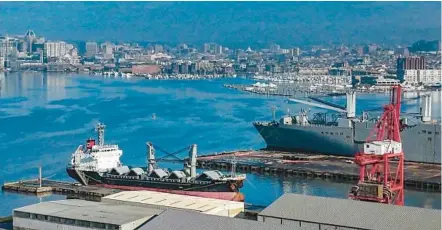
[[350, 213], [168, 200], [91, 211], [178, 220]]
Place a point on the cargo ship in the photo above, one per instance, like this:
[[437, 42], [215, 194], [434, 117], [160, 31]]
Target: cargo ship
[[99, 164], [345, 134]]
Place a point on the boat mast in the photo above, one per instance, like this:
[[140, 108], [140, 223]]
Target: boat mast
[[273, 112], [100, 129], [150, 157], [233, 173], [192, 159]]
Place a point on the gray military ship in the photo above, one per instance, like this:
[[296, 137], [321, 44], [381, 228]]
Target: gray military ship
[[346, 135]]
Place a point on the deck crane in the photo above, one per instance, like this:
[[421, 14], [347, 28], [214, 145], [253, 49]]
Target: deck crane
[[378, 181]]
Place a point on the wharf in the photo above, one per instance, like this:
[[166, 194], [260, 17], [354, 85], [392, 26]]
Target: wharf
[[71, 190], [418, 176]]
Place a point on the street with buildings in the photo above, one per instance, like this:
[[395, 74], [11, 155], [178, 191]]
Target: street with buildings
[[369, 64]]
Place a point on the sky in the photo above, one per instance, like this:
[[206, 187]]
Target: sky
[[228, 23]]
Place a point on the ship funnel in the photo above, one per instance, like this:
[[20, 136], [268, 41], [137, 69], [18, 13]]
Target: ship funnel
[[351, 104], [150, 157], [192, 159], [426, 108]]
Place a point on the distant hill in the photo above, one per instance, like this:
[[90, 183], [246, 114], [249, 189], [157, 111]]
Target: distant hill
[[425, 46], [228, 23]]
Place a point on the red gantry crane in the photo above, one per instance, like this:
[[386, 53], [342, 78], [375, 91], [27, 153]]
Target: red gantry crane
[[378, 182]]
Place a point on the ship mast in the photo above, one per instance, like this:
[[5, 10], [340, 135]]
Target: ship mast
[[150, 157], [192, 159], [100, 129], [233, 173]]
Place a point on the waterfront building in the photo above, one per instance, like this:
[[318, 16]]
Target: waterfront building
[[212, 48], [8, 46], [164, 201], [30, 39], [81, 214], [296, 51], [405, 63], [404, 52], [108, 50], [421, 76], [146, 69], [179, 220], [55, 49], [274, 48], [369, 49], [218, 49], [333, 213], [2, 63], [158, 48], [91, 49]]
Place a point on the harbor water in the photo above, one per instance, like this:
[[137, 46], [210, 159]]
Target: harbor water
[[44, 117]]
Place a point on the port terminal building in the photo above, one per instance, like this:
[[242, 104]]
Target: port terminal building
[[323, 213]]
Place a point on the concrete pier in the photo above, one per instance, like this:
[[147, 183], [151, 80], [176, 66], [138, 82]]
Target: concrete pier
[[418, 176], [72, 190]]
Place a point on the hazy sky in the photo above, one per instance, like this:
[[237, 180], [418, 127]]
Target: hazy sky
[[228, 23]]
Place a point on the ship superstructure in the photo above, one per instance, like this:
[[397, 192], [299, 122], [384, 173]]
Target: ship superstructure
[[346, 135], [99, 164]]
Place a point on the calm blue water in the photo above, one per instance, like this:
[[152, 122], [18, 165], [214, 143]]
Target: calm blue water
[[43, 118]]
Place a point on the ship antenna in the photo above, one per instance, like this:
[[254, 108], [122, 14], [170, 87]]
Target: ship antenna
[[100, 129], [273, 112]]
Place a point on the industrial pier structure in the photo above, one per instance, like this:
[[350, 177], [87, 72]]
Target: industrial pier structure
[[417, 176]]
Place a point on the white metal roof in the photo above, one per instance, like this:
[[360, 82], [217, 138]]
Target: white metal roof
[[167, 200], [179, 220], [91, 211]]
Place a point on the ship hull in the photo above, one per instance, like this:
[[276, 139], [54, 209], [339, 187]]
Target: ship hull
[[305, 140], [225, 190], [421, 143]]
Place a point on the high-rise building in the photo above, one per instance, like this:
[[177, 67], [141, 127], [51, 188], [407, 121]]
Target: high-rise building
[[207, 47], [296, 51], [410, 63], [55, 49], [30, 39], [91, 49], [274, 48], [8, 46], [404, 52], [368, 49], [422, 76], [158, 48], [108, 50], [218, 49]]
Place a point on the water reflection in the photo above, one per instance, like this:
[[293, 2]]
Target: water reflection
[[271, 187], [25, 84]]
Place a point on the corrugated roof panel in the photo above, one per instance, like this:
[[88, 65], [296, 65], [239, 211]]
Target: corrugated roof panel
[[350, 213], [178, 220], [91, 211], [173, 201]]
